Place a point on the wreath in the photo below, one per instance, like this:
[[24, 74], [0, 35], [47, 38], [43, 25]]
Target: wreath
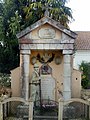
[[42, 60]]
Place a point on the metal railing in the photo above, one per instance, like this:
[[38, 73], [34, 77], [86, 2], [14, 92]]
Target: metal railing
[[16, 108], [74, 109]]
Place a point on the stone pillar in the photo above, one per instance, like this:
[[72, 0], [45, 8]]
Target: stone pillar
[[60, 109], [30, 110], [25, 73], [67, 76], [1, 111]]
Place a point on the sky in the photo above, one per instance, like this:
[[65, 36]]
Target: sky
[[81, 14]]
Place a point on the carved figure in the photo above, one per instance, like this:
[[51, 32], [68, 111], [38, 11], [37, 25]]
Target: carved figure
[[35, 83]]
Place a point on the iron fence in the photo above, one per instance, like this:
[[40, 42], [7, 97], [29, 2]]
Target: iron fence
[[76, 111], [15, 110], [19, 109], [46, 110]]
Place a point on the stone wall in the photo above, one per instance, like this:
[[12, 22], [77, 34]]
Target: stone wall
[[76, 83]]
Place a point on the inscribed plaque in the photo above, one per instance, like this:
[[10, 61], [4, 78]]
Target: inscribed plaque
[[47, 33], [48, 87]]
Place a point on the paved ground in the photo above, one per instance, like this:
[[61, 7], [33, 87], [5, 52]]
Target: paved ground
[[13, 118]]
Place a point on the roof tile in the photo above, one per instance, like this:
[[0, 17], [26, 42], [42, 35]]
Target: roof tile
[[83, 40]]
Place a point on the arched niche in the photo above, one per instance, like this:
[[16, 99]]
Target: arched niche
[[45, 69]]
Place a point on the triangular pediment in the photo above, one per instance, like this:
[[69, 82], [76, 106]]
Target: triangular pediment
[[44, 21]]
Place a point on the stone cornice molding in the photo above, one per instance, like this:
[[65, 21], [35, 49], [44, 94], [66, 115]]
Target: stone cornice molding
[[48, 41], [68, 52], [54, 46], [25, 52]]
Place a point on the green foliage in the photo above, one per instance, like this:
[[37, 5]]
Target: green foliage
[[1, 27], [57, 10], [5, 80], [9, 52], [9, 57], [14, 23], [85, 68]]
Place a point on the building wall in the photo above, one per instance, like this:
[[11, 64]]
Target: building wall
[[76, 84], [15, 82], [81, 55]]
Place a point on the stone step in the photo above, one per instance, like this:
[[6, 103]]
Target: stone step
[[46, 117], [42, 117]]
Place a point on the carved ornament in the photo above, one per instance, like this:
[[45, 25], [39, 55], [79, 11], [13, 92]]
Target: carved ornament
[[47, 33]]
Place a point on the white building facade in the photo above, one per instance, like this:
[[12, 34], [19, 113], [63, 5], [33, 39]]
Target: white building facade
[[82, 52]]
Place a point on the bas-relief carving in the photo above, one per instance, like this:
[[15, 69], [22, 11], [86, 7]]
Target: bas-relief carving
[[35, 83], [45, 58], [33, 60], [47, 33], [57, 60]]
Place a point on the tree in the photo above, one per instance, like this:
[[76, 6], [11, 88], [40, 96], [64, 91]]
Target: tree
[[15, 15], [57, 10], [85, 78], [9, 52]]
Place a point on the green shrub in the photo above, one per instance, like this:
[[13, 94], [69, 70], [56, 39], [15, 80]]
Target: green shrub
[[5, 80], [85, 69]]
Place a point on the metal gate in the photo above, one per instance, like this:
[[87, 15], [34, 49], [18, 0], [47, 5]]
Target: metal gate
[[16, 109], [76, 109], [45, 110]]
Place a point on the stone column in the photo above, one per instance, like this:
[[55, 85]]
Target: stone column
[[1, 111], [25, 73], [60, 109], [30, 110], [67, 75]]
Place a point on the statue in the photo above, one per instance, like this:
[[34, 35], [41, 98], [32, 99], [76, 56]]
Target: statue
[[35, 83]]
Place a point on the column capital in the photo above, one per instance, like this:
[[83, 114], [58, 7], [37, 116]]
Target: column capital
[[25, 52], [67, 52]]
